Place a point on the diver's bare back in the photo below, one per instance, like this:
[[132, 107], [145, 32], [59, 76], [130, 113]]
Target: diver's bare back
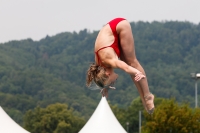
[[105, 38]]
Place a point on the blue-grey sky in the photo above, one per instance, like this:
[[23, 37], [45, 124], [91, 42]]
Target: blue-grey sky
[[22, 19]]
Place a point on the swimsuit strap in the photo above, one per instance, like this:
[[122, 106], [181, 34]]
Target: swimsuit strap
[[98, 58]]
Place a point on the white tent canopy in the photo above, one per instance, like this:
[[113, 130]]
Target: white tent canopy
[[7, 125], [103, 120]]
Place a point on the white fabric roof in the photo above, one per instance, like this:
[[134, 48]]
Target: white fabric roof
[[103, 120], [7, 125]]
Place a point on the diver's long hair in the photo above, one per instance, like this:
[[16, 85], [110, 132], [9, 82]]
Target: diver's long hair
[[97, 74]]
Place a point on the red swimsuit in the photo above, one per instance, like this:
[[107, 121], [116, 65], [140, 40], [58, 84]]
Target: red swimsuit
[[113, 24]]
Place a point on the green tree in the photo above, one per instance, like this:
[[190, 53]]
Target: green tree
[[55, 118], [131, 114], [53, 69], [169, 117]]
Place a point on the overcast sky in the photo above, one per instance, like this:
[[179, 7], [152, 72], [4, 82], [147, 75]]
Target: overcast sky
[[22, 19]]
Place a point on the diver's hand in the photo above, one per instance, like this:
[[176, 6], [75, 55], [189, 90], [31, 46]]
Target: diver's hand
[[139, 76], [112, 88]]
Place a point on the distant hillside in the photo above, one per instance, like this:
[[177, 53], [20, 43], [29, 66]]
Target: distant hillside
[[39, 73]]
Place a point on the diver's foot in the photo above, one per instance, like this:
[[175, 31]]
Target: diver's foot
[[149, 101]]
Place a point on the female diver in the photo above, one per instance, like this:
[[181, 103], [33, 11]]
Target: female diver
[[114, 41]]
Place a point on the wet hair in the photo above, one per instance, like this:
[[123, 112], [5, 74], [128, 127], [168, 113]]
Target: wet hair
[[97, 74]]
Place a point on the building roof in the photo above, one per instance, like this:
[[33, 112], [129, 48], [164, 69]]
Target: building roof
[[103, 120], [8, 125]]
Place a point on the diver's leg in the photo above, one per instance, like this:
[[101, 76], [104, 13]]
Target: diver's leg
[[128, 52], [136, 84]]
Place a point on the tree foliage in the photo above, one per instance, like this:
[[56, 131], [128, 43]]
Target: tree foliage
[[55, 118], [170, 117], [52, 70], [130, 115]]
